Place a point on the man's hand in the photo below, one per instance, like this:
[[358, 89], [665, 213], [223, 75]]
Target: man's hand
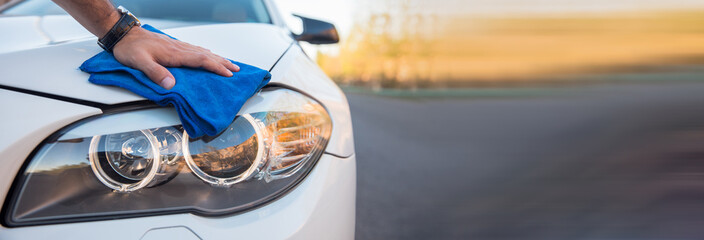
[[151, 53], [144, 50]]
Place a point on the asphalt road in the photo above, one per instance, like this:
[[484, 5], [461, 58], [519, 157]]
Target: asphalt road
[[608, 161]]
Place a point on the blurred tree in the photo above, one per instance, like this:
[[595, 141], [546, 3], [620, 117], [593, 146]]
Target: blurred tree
[[388, 46], [408, 44]]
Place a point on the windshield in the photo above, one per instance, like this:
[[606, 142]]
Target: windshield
[[220, 11]]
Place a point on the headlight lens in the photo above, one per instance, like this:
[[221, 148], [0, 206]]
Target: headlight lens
[[132, 164], [231, 157]]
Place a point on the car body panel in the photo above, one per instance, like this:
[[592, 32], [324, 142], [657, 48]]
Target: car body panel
[[38, 31], [295, 69], [26, 125], [321, 207], [21, 38], [54, 69]]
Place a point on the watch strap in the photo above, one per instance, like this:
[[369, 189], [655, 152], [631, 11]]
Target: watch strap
[[119, 30]]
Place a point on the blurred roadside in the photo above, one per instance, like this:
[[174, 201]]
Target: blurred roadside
[[399, 44]]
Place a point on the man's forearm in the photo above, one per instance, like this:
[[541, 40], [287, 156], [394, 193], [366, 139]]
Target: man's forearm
[[97, 16]]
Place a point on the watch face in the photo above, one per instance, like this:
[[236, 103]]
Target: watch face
[[124, 10]]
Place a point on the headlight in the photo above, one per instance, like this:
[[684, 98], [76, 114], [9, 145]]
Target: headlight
[[138, 163]]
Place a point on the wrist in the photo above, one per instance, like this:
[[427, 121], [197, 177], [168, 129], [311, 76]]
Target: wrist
[[106, 24], [124, 24], [135, 33]]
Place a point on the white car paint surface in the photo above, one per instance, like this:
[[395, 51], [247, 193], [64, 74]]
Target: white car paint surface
[[261, 46], [41, 90], [36, 31]]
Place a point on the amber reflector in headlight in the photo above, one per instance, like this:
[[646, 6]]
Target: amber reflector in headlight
[[132, 163], [294, 138]]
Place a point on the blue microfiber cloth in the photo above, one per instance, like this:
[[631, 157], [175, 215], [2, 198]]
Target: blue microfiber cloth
[[206, 102]]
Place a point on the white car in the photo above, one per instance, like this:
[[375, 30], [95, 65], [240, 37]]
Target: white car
[[83, 161]]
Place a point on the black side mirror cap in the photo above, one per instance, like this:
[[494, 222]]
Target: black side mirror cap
[[317, 32]]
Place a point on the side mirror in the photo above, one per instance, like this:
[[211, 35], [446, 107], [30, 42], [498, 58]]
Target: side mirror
[[317, 32]]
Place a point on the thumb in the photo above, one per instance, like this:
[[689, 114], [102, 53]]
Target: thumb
[[158, 74]]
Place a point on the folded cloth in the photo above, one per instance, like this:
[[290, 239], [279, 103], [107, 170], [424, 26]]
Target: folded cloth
[[206, 102]]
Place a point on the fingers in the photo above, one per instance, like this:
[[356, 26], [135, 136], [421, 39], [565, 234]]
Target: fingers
[[196, 54], [157, 73], [229, 65], [208, 62], [151, 52]]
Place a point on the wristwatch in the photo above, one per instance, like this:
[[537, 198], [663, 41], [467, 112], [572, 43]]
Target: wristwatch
[[119, 30]]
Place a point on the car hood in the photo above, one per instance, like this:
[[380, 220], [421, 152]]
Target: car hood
[[36, 31], [52, 68]]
